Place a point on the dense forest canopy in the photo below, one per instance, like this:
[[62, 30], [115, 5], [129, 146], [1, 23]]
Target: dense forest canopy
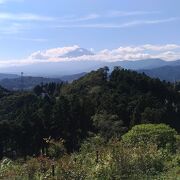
[[97, 103]]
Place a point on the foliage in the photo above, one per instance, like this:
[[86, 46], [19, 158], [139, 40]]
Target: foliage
[[56, 148], [108, 125], [99, 159], [160, 134], [9, 169], [99, 103], [86, 122]]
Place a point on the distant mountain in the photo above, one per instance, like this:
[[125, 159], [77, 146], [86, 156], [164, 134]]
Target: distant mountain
[[59, 69], [174, 63], [56, 69], [72, 77], [26, 83], [168, 73], [140, 64], [78, 52], [8, 76]]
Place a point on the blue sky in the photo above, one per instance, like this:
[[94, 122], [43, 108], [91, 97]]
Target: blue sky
[[27, 26]]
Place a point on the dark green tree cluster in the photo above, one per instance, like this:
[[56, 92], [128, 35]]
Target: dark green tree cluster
[[99, 103]]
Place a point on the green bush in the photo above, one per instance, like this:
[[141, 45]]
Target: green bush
[[32, 167], [115, 161], [69, 168], [126, 162], [56, 148], [11, 170], [141, 154], [38, 168], [178, 143], [159, 134]]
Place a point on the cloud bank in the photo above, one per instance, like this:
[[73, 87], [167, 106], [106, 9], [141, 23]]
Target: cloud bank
[[167, 52]]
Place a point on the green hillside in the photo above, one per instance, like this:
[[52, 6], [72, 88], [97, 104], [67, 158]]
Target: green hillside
[[60, 120]]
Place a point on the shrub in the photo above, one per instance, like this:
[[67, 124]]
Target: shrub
[[68, 168], [132, 162], [32, 167], [160, 134], [178, 143], [9, 169], [56, 148], [38, 167]]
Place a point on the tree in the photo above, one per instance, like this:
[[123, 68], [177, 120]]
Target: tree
[[108, 125], [38, 90], [151, 115]]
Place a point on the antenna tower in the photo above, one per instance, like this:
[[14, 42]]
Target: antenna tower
[[22, 81]]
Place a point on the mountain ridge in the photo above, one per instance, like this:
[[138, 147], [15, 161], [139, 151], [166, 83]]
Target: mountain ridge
[[168, 73], [69, 71], [56, 69]]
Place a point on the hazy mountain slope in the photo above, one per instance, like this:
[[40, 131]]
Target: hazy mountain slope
[[58, 69], [168, 73], [8, 76], [140, 64], [72, 77], [26, 83], [3, 92]]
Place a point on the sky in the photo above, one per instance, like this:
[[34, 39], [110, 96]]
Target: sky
[[111, 29]]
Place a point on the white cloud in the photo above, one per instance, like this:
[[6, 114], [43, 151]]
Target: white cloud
[[148, 22], [161, 47], [12, 28], [23, 17], [30, 39], [15, 22], [169, 55], [53, 53], [120, 25], [110, 14], [17, 26], [6, 1], [167, 52], [88, 17], [11, 23], [116, 13], [143, 48]]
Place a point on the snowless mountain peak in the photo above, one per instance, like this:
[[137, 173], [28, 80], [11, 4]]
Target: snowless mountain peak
[[78, 52]]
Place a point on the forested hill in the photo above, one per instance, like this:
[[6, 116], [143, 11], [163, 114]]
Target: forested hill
[[26, 83], [3, 92], [96, 103]]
